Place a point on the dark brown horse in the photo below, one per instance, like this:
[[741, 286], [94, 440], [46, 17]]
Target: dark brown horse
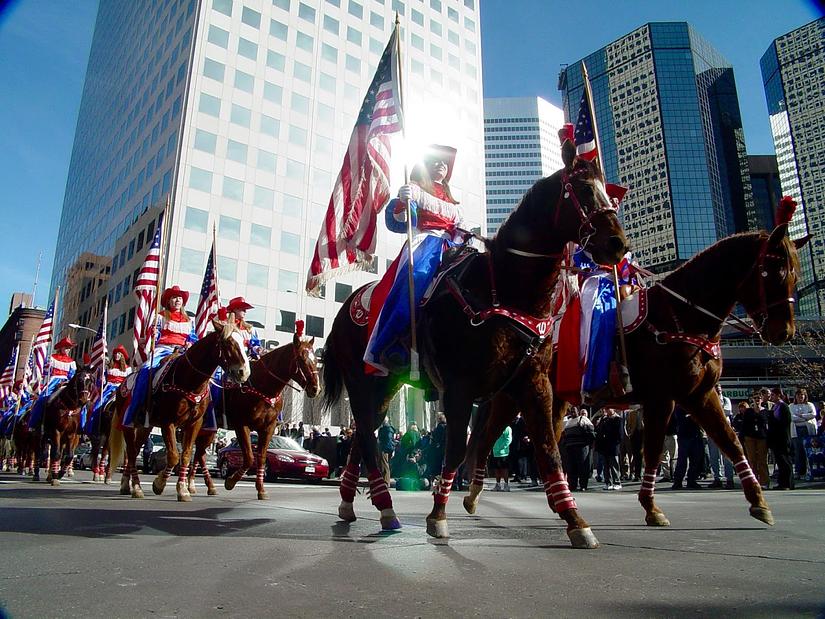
[[179, 401], [674, 356], [25, 442], [60, 431], [476, 339], [255, 406]]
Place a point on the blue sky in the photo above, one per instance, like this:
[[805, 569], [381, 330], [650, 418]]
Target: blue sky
[[45, 44]]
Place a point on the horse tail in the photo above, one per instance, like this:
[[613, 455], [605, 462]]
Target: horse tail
[[333, 380], [117, 444]]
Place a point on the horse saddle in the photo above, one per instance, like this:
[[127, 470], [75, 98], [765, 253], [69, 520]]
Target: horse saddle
[[634, 309], [128, 386]]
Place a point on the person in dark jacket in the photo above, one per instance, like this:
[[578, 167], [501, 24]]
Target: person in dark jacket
[[779, 439], [386, 447], [577, 437], [438, 444], [608, 437], [691, 451], [754, 434]]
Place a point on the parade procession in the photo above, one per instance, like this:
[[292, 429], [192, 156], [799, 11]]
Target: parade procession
[[302, 253]]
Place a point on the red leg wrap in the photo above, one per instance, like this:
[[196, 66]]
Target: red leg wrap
[[379, 493], [746, 476], [349, 481], [441, 492], [558, 492], [648, 482]]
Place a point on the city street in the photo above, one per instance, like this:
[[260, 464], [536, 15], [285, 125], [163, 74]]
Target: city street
[[83, 550]]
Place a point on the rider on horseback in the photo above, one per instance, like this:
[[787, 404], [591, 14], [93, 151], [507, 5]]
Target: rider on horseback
[[435, 220], [118, 371], [175, 330], [61, 368]]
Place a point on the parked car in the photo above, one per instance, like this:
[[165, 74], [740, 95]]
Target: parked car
[[83, 456], [284, 459], [157, 445]]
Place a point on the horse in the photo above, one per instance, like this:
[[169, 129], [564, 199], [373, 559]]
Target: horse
[[486, 333], [61, 424], [179, 400], [100, 443], [256, 405], [674, 356], [25, 442]]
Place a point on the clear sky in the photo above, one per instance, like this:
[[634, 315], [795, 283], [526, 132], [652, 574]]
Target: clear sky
[[44, 46]]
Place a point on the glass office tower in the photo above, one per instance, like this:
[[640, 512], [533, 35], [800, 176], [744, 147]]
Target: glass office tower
[[793, 72], [670, 130]]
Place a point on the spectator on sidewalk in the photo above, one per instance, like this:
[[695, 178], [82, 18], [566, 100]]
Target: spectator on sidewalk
[[669, 451], [779, 439], [386, 448], [755, 434], [608, 437], [578, 436], [803, 414], [500, 460], [691, 451], [518, 450], [438, 445], [718, 460]]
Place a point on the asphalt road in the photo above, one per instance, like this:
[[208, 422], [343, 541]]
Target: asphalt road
[[83, 550]]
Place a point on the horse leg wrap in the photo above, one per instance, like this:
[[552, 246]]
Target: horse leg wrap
[[259, 476], [167, 473], [478, 475], [441, 491], [379, 493], [558, 492], [648, 483], [349, 481], [746, 476]]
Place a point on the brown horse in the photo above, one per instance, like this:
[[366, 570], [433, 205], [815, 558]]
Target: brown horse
[[674, 355], [61, 424], [179, 401], [25, 442], [100, 443], [255, 406], [484, 335]]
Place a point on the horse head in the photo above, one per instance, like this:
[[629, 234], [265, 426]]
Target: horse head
[[81, 385], [767, 292], [306, 372], [231, 351]]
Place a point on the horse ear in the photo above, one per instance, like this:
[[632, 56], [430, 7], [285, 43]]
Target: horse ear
[[312, 341], [228, 326], [800, 243], [777, 235], [568, 153]]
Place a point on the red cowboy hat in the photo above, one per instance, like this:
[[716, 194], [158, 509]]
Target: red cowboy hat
[[238, 303], [64, 344], [174, 291], [437, 152], [122, 351]]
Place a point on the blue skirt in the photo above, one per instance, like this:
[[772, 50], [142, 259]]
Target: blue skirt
[[141, 388], [36, 418]]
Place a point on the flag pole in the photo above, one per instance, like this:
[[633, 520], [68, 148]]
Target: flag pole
[[625, 376], [102, 378], [414, 365], [51, 337], [161, 248]]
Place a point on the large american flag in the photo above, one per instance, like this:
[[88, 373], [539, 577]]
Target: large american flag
[[7, 375], [209, 302], [146, 291], [42, 341], [348, 233], [585, 136]]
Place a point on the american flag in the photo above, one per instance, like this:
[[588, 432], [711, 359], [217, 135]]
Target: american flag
[[146, 291], [98, 352], [348, 233], [42, 341], [584, 136], [28, 373], [208, 303], [7, 376]]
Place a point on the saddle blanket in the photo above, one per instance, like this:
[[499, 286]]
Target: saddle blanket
[[634, 310]]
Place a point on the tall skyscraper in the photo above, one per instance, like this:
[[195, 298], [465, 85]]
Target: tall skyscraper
[[767, 189], [240, 113], [521, 145], [793, 71], [670, 130]]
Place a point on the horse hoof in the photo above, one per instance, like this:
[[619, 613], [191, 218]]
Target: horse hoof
[[470, 504], [212, 491], [583, 538], [263, 496], [95, 478], [137, 492], [183, 492], [657, 519], [438, 528], [762, 513], [389, 521], [124, 489], [158, 486], [346, 512], [229, 483], [191, 488], [108, 480], [185, 497], [55, 481]]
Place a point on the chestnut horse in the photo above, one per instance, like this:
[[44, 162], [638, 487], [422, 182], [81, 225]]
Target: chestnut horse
[[100, 443], [178, 401], [476, 339], [674, 356], [255, 406], [61, 424]]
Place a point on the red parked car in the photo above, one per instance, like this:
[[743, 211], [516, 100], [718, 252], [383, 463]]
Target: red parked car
[[284, 459]]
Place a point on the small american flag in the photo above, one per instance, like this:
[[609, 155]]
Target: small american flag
[[42, 341], [28, 373], [584, 136], [7, 375], [209, 302], [146, 291], [98, 352], [348, 234]]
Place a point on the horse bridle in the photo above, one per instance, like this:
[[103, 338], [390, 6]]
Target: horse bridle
[[78, 391], [298, 369], [762, 275]]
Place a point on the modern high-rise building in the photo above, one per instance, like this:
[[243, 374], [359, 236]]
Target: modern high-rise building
[[793, 72], [239, 113], [670, 130], [521, 145], [767, 189]]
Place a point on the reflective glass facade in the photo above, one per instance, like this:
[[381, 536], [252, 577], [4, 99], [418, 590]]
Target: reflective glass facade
[[793, 74], [670, 130]]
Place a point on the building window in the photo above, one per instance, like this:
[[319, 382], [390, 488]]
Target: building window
[[353, 64], [287, 323], [240, 115], [205, 141], [281, 4], [417, 42], [273, 92], [290, 243], [306, 12], [276, 61], [247, 49], [200, 179], [297, 136], [342, 292], [263, 198], [227, 268], [376, 20], [213, 69], [287, 281], [355, 9], [210, 105], [278, 30], [295, 170], [302, 71], [191, 261], [257, 275], [218, 36], [292, 206], [270, 126], [244, 81], [418, 17], [229, 228], [328, 52], [326, 83], [266, 160], [304, 42], [398, 7], [236, 151], [353, 35], [260, 236], [232, 189], [331, 25], [251, 17], [223, 6], [196, 219], [315, 326]]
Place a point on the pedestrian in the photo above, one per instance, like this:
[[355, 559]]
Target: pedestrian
[[501, 454], [755, 433], [578, 436], [519, 451], [438, 445], [803, 414], [608, 437], [386, 448], [691, 451], [779, 439], [670, 448], [342, 449], [718, 460], [299, 434]]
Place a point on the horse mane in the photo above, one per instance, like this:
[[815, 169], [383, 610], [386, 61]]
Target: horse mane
[[536, 195]]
